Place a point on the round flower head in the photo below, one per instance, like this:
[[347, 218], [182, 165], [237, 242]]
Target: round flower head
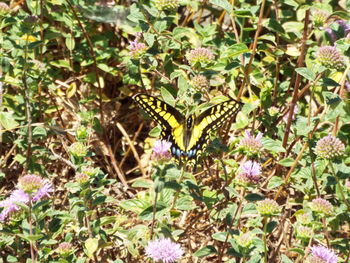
[[137, 49], [273, 111], [200, 55], [4, 9], [30, 183], [9, 204], [244, 239], [304, 232], [249, 173], [250, 144], [166, 4], [320, 205], [81, 178], [319, 17], [330, 57], [64, 249], [320, 254], [89, 171], [303, 217], [200, 82], [161, 150], [267, 207], [163, 250], [329, 147], [78, 149]]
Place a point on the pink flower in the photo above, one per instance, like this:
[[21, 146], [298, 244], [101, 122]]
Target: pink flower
[[249, 172], [163, 250], [161, 150], [251, 144], [323, 254], [9, 204]]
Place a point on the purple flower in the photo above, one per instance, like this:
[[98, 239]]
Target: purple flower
[[250, 172], [330, 57], [200, 55], [200, 82], [268, 207], [320, 205], [9, 204], [322, 253], [30, 183], [20, 196], [251, 144], [161, 150], [137, 49], [329, 147], [164, 250], [44, 191]]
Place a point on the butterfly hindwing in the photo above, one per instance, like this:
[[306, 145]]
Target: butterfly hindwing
[[210, 119]]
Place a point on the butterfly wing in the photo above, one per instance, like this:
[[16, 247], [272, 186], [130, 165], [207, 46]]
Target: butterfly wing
[[210, 119], [171, 121]]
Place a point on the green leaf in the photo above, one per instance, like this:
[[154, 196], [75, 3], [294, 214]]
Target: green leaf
[[223, 4], [274, 25], [70, 43], [327, 82], [205, 251], [149, 38], [91, 245], [31, 237], [134, 205], [220, 236], [331, 98], [39, 132], [143, 183], [235, 50], [275, 182], [306, 73], [272, 145], [287, 162], [61, 64], [168, 97], [7, 121], [12, 259], [254, 197]]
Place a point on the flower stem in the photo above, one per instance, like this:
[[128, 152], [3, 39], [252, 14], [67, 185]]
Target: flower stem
[[178, 181], [154, 213], [32, 254], [265, 239]]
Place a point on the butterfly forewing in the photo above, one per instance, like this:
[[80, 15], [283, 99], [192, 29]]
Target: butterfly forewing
[[167, 117]]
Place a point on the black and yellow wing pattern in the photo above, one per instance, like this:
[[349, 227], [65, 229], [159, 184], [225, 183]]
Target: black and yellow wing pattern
[[188, 136]]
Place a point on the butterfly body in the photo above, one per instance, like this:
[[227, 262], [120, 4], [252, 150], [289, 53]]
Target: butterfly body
[[188, 135]]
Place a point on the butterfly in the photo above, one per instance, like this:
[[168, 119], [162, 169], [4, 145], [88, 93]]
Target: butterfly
[[188, 135]]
